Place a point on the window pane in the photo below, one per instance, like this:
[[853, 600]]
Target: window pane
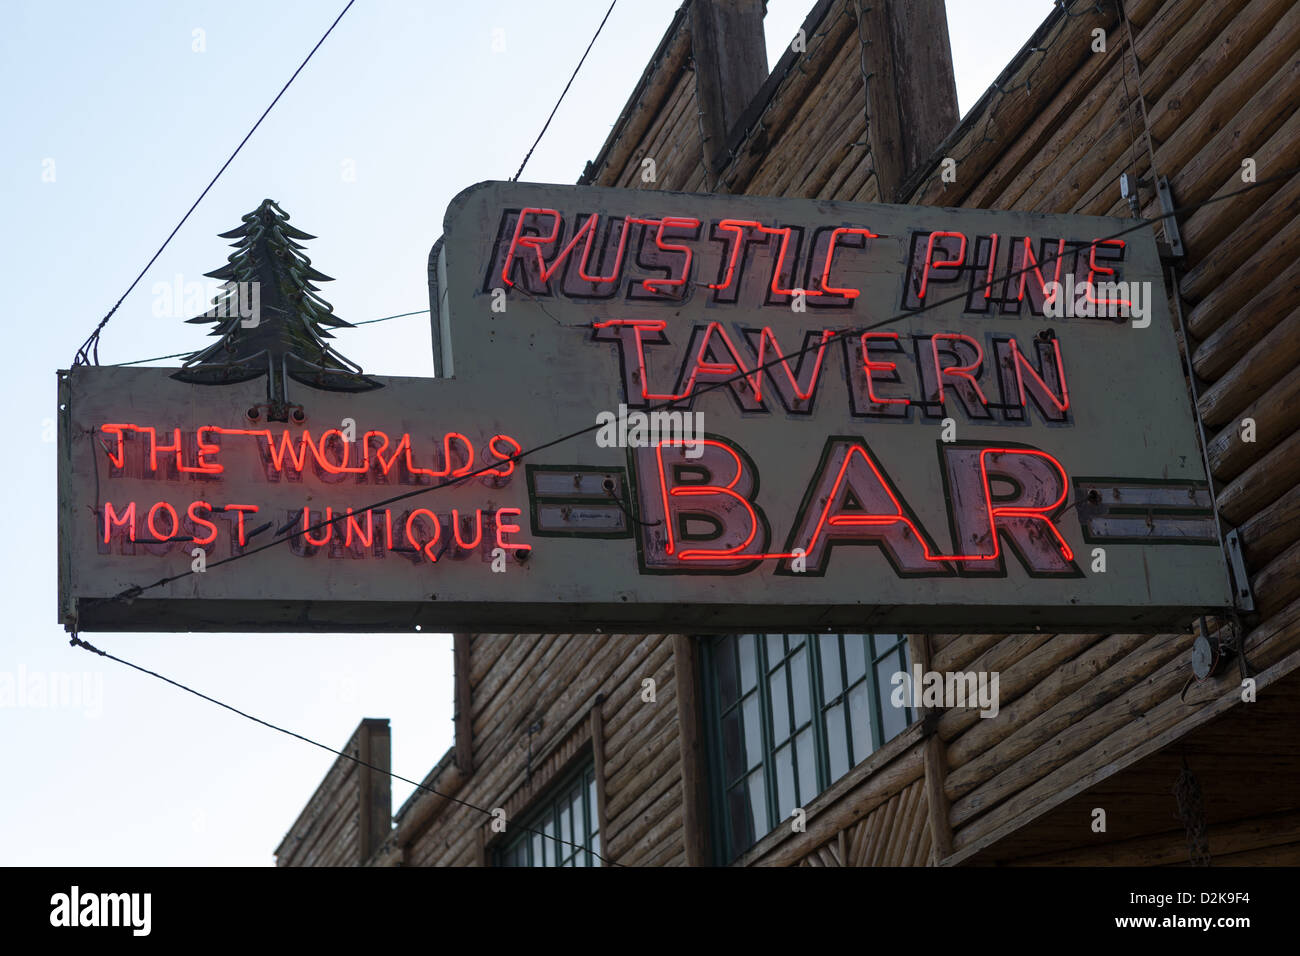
[[800, 677], [741, 815], [855, 654], [785, 794], [753, 732], [592, 810], [566, 830], [893, 720], [539, 854], [780, 707], [837, 742], [725, 654], [548, 844], [807, 756], [775, 649], [757, 808], [579, 818], [832, 685], [748, 662], [733, 748], [798, 712], [860, 714], [595, 850]]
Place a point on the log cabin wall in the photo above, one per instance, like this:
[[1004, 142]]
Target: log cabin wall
[[544, 704], [349, 814]]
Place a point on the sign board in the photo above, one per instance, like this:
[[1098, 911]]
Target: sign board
[[756, 446]]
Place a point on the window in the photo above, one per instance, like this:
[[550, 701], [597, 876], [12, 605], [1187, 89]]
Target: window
[[789, 715], [561, 830]]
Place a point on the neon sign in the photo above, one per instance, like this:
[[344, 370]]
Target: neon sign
[[291, 454], [899, 428]]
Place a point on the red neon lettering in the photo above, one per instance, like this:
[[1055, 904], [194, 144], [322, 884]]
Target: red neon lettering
[[1021, 365], [638, 326], [366, 537], [988, 278], [464, 469], [507, 458], [726, 490], [738, 226], [412, 467], [365, 446], [830, 255], [1033, 267], [197, 520], [1040, 513], [206, 448], [898, 516], [784, 233], [118, 460], [894, 532], [803, 395], [531, 242], [239, 518], [672, 222], [993, 514], [872, 367], [111, 517], [203, 467], [286, 446], [388, 529], [588, 228], [943, 264], [618, 259], [171, 513], [1094, 270], [427, 547], [342, 467], [478, 524], [306, 526], [154, 448], [957, 371], [503, 529], [728, 369], [402, 446]]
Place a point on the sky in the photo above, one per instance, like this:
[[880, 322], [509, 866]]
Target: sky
[[115, 118]]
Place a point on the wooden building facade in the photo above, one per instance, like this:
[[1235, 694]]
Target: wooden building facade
[[676, 749]]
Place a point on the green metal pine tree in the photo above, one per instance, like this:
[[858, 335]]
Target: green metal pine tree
[[269, 319]]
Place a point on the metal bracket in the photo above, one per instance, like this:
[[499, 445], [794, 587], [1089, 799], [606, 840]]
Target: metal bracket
[[1167, 207], [1128, 192], [1242, 598]]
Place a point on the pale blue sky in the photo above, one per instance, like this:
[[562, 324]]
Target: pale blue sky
[[135, 122]]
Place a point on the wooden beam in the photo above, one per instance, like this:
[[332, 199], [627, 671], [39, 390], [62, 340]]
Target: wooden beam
[[598, 756], [464, 719], [730, 67], [912, 90], [375, 805], [691, 741], [936, 761]]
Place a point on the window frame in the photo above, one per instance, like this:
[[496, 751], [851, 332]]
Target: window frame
[[546, 808], [720, 783]]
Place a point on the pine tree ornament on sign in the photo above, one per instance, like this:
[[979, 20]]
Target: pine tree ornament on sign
[[270, 320]]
